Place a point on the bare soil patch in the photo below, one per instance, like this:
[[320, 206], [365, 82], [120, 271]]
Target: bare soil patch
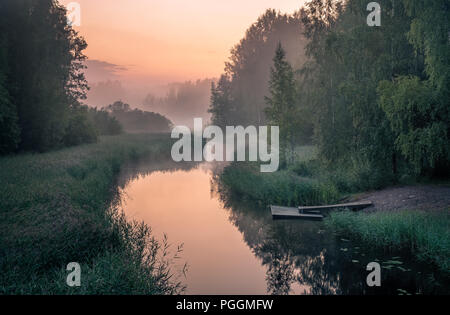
[[420, 197]]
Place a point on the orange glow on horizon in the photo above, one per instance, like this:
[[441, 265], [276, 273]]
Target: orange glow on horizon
[[171, 39]]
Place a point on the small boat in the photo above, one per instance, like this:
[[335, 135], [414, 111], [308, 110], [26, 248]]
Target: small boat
[[279, 213]]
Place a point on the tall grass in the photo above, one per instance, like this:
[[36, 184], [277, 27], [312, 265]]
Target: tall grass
[[425, 235], [55, 209], [309, 182], [354, 176], [291, 186], [282, 187]]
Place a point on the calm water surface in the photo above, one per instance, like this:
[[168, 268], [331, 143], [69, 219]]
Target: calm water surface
[[232, 247]]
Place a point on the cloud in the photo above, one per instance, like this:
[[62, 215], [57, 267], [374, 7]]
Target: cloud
[[98, 70]]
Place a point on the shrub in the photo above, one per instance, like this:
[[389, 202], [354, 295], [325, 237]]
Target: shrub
[[79, 129]]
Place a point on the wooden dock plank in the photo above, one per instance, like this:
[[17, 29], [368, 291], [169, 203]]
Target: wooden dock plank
[[292, 213], [352, 205]]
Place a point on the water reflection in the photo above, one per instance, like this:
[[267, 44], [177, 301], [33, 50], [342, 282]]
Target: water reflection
[[233, 247], [296, 254]]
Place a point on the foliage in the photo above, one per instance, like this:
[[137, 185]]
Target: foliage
[[104, 122], [418, 108], [42, 82], [222, 104], [282, 187], [377, 97], [421, 127], [45, 77], [136, 121], [282, 110], [349, 59], [9, 128], [240, 93], [79, 129], [55, 210]]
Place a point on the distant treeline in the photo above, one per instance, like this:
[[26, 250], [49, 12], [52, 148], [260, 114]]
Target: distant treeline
[[183, 101], [375, 100], [138, 121]]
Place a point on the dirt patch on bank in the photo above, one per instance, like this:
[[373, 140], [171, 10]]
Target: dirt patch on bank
[[422, 197]]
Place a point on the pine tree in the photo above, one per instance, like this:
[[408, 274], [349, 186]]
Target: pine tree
[[281, 110], [221, 107]]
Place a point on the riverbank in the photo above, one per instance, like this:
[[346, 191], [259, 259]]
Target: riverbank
[[414, 218], [421, 232], [55, 209], [293, 186], [424, 235]]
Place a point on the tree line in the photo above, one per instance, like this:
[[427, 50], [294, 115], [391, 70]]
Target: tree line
[[42, 81], [372, 99], [239, 94], [138, 121]]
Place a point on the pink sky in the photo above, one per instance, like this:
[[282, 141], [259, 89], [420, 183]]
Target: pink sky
[[169, 40]]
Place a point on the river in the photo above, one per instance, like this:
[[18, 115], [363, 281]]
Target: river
[[234, 247]]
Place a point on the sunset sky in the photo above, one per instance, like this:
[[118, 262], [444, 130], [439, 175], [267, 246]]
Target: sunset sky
[[169, 40]]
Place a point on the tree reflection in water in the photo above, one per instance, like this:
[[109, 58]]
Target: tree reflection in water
[[299, 257], [302, 257]]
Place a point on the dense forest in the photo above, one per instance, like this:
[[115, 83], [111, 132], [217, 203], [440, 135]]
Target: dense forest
[[42, 82], [238, 96], [370, 98], [138, 121], [373, 99]]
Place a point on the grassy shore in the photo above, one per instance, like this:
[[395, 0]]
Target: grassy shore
[[305, 182], [425, 235], [283, 187], [55, 209], [290, 187]]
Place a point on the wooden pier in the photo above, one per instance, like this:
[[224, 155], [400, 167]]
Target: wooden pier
[[314, 212], [279, 213], [352, 206]]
